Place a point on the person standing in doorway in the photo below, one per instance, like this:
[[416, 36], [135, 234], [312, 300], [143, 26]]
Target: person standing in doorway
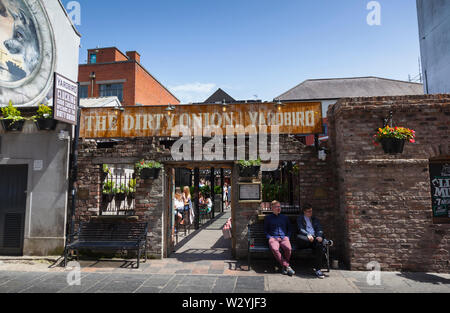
[[277, 229], [225, 195], [187, 200]]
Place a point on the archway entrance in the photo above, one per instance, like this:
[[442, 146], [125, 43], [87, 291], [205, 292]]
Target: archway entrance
[[196, 234]]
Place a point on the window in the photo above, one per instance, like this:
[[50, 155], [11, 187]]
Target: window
[[440, 190], [84, 90], [118, 189], [109, 90], [93, 58]]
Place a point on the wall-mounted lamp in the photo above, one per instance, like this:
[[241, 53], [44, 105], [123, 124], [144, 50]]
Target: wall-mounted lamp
[[170, 109], [279, 105], [224, 105]]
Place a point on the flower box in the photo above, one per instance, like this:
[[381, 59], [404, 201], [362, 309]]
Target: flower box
[[46, 124], [249, 171], [10, 125]]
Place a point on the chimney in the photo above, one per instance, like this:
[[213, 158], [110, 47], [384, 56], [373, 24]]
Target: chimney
[[133, 55]]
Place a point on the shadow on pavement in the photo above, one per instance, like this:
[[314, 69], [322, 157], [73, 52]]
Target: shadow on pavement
[[425, 278]]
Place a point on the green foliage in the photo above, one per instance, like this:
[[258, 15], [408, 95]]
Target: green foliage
[[401, 133], [106, 169], [43, 112], [131, 186], [218, 190], [11, 113], [121, 189], [250, 163], [206, 191], [108, 188], [278, 192], [147, 164]]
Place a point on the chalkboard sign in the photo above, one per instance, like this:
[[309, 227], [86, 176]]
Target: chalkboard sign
[[440, 188]]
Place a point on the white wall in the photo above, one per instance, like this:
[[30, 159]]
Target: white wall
[[66, 39], [434, 32]]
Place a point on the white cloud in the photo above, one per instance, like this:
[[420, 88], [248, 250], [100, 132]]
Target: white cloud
[[193, 92]]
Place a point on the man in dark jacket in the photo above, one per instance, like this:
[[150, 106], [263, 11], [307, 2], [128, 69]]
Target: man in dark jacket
[[310, 235], [278, 232]]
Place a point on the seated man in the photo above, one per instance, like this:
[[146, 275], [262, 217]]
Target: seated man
[[278, 231], [310, 235]]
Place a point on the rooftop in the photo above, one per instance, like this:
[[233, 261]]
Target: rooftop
[[336, 88]]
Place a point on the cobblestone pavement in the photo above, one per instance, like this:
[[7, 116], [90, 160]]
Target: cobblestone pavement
[[201, 264]]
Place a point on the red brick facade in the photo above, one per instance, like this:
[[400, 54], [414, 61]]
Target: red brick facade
[[139, 86]]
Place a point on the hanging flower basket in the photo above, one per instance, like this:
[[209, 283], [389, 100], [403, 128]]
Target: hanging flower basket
[[393, 145], [149, 173], [393, 139], [148, 170]]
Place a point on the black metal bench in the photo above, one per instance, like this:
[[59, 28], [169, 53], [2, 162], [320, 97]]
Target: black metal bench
[[257, 242], [109, 236]]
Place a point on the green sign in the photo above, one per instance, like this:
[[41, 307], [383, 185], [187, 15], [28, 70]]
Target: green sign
[[440, 189]]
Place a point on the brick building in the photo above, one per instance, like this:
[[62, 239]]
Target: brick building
[[386, 200], [109, 72], [375, 206]]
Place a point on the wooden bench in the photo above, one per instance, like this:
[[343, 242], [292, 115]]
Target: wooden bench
[[257, 242], [109, 236]]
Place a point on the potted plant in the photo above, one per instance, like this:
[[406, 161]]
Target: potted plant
[[131, 190], [108, 191], [120, 193], [12, 119], [148, 169], [106, 171], [249, 168], [393, 139], [44, 118]]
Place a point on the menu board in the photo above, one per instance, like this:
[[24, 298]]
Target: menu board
[[65, 100], [250, 192], [440, 188]]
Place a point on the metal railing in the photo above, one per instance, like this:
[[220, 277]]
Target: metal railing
[[118, 194]]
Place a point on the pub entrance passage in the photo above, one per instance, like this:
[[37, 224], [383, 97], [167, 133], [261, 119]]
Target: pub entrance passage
[[200, 236]]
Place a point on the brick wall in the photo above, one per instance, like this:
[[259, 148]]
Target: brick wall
[[386, 199], [149, 193]]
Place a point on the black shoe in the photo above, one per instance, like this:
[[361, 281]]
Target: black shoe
[[284, 271]]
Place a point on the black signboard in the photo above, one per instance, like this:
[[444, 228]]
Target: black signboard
[[65, 100], [440, 188]]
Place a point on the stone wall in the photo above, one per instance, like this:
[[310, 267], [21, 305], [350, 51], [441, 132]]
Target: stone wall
[[386, 199]]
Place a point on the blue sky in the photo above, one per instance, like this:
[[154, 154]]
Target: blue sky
[[254, 48]]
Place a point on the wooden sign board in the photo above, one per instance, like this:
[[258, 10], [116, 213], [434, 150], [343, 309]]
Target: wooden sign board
[[157, 121]]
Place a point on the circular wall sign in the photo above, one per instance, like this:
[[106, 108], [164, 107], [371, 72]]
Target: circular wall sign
[[27, 52]]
